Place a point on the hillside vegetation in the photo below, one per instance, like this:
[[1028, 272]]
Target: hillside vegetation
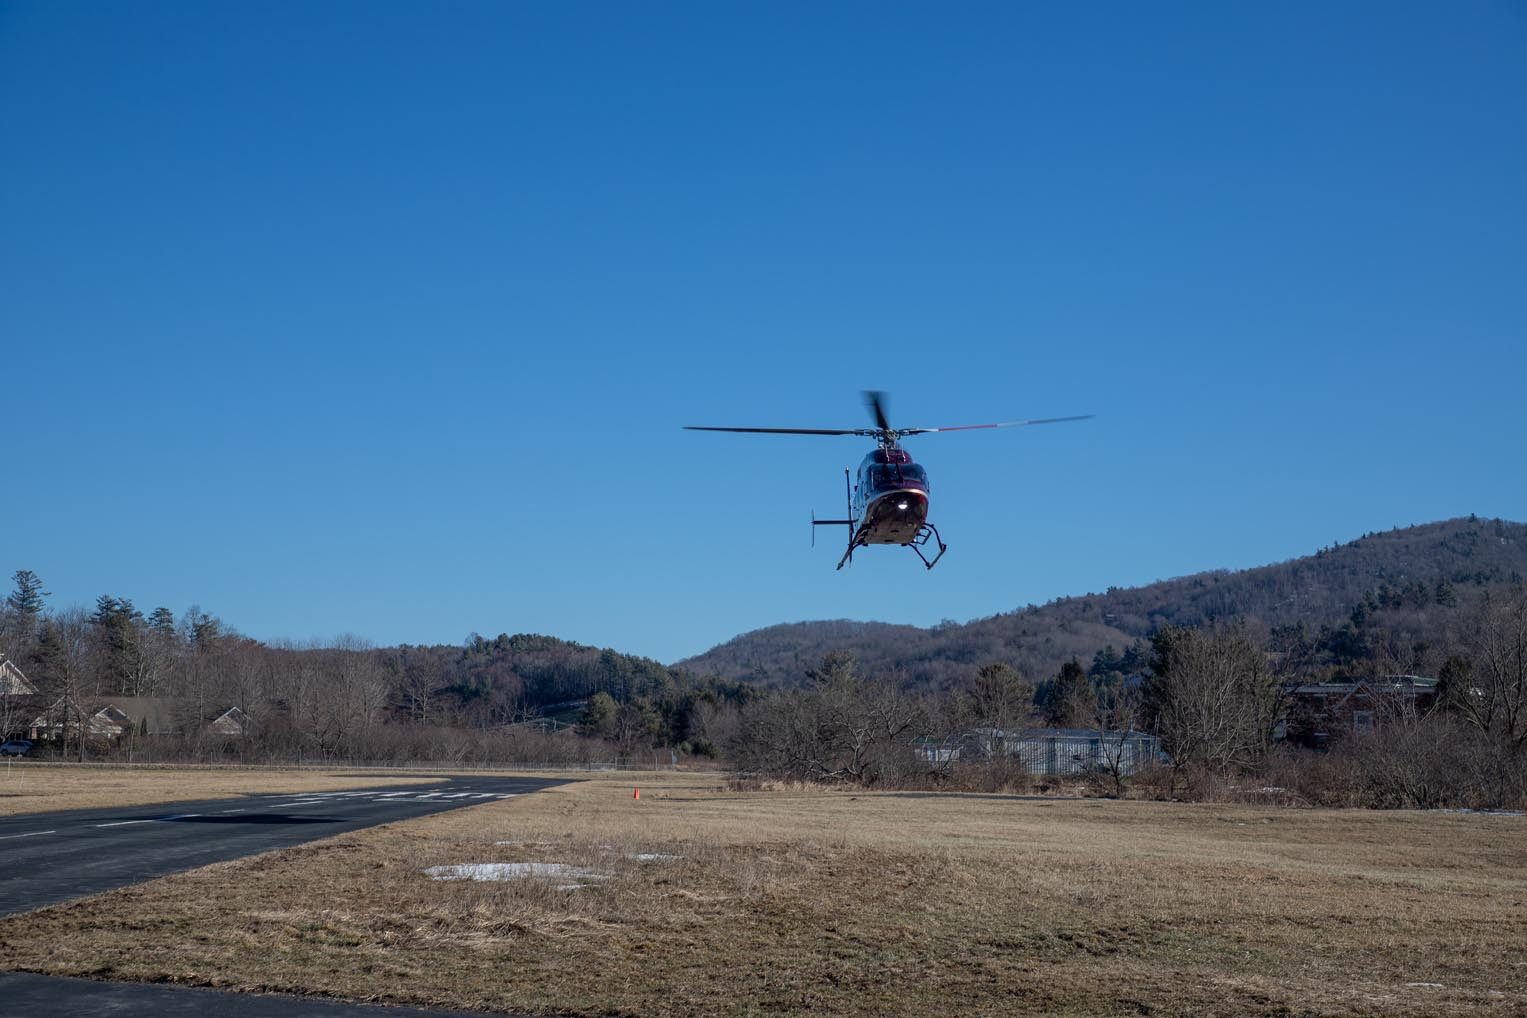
[[1408, 579]]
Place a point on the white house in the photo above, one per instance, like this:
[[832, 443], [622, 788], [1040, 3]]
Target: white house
[[12, 682]]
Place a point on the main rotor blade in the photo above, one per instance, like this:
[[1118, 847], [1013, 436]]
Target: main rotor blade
[[1000, 424], [876, 402], [787, 431]]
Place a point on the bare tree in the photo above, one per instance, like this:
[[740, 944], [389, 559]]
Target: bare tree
[[1495, 697], [1116, 717], [335, 695], [418, 687], [633, 727], [998, 700], [838, 729], [1211, 698], [1487, 690]]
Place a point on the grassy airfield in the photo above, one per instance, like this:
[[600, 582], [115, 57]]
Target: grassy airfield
[[696, 900]]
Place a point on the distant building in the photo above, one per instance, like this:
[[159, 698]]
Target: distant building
[[101, 720], [1317, 713], [1051, 752], [12, 682], [232, 722], [113, 718]]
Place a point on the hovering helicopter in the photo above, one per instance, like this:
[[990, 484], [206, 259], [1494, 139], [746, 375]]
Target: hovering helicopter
[[889, 504]]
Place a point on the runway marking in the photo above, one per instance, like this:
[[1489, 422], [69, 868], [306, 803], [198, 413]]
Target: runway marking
[[28, 834], [299, 802], [233, 811], [150, 820]]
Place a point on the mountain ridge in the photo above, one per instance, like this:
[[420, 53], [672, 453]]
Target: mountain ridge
[[1407, 572]]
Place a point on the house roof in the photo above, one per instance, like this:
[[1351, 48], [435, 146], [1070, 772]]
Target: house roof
[[12, 681], [1058, 733], [1412, 684], [119, 712]]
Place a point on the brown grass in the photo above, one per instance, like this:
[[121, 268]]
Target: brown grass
[[30, 787], [804, 901]]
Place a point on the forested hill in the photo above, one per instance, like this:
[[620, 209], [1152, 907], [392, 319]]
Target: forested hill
[[1415, 577]]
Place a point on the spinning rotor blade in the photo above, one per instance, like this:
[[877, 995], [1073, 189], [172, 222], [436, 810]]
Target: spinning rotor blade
[[876, 401], [786, 431], [1000, 424]]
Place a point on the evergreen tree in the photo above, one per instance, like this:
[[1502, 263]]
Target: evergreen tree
[[202, 628], [1071, 701], [27, 599], [1106, 662], [119, 624], [598, 717]]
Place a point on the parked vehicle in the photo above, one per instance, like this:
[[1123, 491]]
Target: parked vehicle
[[15, 747]]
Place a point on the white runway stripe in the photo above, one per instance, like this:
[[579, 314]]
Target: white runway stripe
[[28, 834], [150, 820]]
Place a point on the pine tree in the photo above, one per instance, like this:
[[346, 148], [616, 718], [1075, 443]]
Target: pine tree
[[27, 599], [1072, 700]]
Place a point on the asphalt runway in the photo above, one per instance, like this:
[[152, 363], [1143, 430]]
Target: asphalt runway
[[47, 858]]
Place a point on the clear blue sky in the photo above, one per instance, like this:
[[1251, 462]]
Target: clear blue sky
[[383, 318]]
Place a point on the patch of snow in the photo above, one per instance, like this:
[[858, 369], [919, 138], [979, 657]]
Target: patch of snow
[[654, 857], [1486, 812], [1427, 986], [512, 871], [1272, 788]]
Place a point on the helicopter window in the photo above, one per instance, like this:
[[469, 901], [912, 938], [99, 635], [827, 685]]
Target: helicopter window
[[893, 476]]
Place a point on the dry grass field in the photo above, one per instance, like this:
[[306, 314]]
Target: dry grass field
[[31, 787], [697, 900]]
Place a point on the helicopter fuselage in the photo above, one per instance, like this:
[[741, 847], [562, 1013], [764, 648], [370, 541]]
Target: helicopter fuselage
[[890, 500]]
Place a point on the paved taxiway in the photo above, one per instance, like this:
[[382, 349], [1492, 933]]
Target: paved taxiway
[[46, 858]]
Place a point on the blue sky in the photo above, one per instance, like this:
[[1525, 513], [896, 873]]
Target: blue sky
[[383, 318]]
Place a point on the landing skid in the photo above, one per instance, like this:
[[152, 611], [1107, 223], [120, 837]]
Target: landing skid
[[927, 533], [848, 556], [917, 543]]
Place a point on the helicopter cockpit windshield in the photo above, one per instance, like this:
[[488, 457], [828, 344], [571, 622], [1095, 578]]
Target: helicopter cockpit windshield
[[894, 476]]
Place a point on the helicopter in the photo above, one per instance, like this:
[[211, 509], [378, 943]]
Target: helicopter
[[889, 504]]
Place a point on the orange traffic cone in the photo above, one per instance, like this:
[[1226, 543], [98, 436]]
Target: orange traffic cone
[[638, 794]]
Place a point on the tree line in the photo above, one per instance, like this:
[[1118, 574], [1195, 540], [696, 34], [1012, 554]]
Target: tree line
[[488, 698], [1216, 695]]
